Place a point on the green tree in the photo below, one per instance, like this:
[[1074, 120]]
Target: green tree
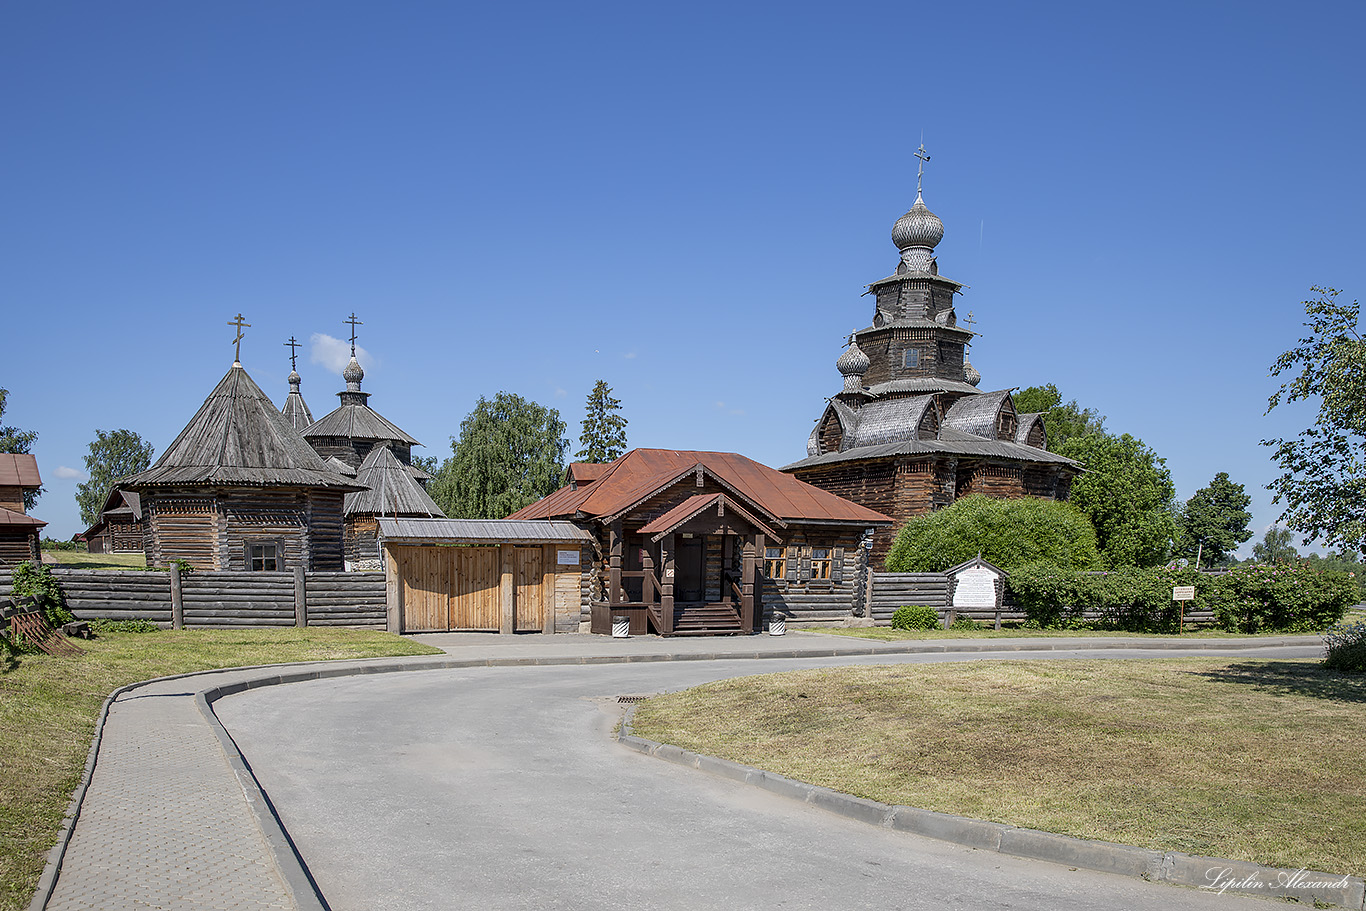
[[604, 430], [1061, 421], [1214, 521], [1008, 533], [1323, 479], [1276, 546], [1127, 492], [12, 439], [112, 456], [510, 453]]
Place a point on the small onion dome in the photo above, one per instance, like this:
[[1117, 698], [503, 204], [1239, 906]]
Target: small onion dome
[[853, 362], [295, 379], [353, 373], [970, 373], [917, 228]]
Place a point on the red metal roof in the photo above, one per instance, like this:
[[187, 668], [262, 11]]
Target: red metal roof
[[641, 473], [694, 506], [19, 469], [11, 519], [587, 472]]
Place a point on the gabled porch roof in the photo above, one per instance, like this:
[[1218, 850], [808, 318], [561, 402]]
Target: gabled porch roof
[[693, 507]]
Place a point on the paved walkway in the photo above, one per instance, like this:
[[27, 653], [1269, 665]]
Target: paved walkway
[[171, 818]]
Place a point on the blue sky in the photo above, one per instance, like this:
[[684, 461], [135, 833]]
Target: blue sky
[[685, 200]]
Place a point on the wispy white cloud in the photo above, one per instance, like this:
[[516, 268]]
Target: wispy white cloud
[[70, 474], [738, 412], [630, 355], [560, 393], [333, 354]]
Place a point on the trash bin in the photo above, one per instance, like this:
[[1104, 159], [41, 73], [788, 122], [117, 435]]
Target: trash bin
[[777, 625], [621, 626]]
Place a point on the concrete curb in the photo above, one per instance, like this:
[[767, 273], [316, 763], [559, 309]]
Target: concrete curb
[[1205, 873], [292, 869]]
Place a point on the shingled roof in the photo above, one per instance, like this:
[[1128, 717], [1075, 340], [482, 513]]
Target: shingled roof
[[641, 473], [392, 490], [19, 469], [237, 438]]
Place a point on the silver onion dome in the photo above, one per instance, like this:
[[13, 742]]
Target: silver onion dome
[[915, 234], [853, 363], [295, 379], [970, 373], [353, 374]]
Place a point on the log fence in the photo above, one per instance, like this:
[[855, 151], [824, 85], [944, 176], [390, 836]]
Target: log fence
[[204, 600]]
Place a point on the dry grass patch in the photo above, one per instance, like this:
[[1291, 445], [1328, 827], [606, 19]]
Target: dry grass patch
[[49, 706], [79, 559], [1261, 761]]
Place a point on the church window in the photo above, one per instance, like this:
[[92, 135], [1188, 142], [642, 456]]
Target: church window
[[910, 357], [264, 556], [820, 563], [775, 562]]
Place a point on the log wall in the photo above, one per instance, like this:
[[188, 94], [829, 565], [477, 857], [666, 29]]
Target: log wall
[[222, 599]]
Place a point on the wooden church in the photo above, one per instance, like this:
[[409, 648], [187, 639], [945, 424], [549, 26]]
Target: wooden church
[[240, 489], [911, 432]]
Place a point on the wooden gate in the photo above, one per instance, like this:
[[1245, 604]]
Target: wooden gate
[[445, 589]]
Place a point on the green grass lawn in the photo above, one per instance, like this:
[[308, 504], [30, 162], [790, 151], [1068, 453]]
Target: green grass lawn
[[49, 706], [79, 559], [1260, 761]]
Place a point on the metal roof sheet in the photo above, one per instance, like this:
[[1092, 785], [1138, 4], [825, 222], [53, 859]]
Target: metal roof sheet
[[695, 506], [468, 531], [19, 469], [641, 473], [12, 519]]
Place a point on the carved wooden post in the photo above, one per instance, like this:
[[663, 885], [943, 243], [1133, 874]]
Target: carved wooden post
[[647, 585], [614, 568], [177, 601], [747, 591], [666, 585]]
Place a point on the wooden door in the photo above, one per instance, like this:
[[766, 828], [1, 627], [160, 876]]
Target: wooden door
[[474, 600], [425, 574], [530, 597], [691, 581]]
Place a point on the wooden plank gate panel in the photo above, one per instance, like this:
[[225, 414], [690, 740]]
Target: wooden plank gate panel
[[474, 602], [424, 574], [531, 594]]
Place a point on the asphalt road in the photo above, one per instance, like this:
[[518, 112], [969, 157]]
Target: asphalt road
[[502, 788]]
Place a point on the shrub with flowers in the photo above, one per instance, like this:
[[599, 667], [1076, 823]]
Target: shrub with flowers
[[1283, 597]]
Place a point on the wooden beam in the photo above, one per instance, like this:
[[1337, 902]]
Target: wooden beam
[[614, 566], [666, 584], [300, 596], [177, 600], [393, 592], [549, 595], [506, 591]]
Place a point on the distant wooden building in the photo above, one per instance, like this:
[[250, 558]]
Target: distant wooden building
[[353, 428], [19, 532], [240, 489], [702, 543], [390, 491], [119, 529], [910, 432]]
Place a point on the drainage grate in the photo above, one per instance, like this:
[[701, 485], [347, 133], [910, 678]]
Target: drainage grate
[[631, 699]]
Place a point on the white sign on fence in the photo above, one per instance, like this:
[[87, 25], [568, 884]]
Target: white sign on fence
[[1183, 593], [567, 557], [975, 587]]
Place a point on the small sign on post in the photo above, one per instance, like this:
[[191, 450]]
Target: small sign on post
[[1181, 594]]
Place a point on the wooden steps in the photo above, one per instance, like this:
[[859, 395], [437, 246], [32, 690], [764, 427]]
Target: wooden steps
[[703, 620]]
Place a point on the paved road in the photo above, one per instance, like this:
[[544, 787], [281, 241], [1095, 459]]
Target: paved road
[[501, 788]]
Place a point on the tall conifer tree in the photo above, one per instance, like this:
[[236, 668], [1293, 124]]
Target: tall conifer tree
[[604, 430]]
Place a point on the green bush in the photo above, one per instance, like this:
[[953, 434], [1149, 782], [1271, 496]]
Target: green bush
[[964, 623], [1345, 647], [1285, 597], [105, 625], [1129, 598], [915, 617], [37, 581], [1007, 533]]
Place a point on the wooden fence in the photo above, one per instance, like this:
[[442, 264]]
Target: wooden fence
[[223, 599], [893, 590]]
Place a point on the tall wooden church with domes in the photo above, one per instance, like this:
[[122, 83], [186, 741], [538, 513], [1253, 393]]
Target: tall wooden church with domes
[[911, 432]]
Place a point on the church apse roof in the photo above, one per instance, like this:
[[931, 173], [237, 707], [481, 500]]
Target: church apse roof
[[237, 438]]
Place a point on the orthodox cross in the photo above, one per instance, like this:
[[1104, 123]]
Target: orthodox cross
[[971, 322], [293, 346], [920, 153], [239, 323], [354, 323]]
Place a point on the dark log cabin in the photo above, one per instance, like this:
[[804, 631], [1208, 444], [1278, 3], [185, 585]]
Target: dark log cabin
[[119, 529], [704, 543], [910, 432], [19, 532]]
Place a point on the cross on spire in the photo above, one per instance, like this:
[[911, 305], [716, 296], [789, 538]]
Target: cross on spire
[[921, 154], [237, 342], [354, 323], [970, 320], [293, 347]]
